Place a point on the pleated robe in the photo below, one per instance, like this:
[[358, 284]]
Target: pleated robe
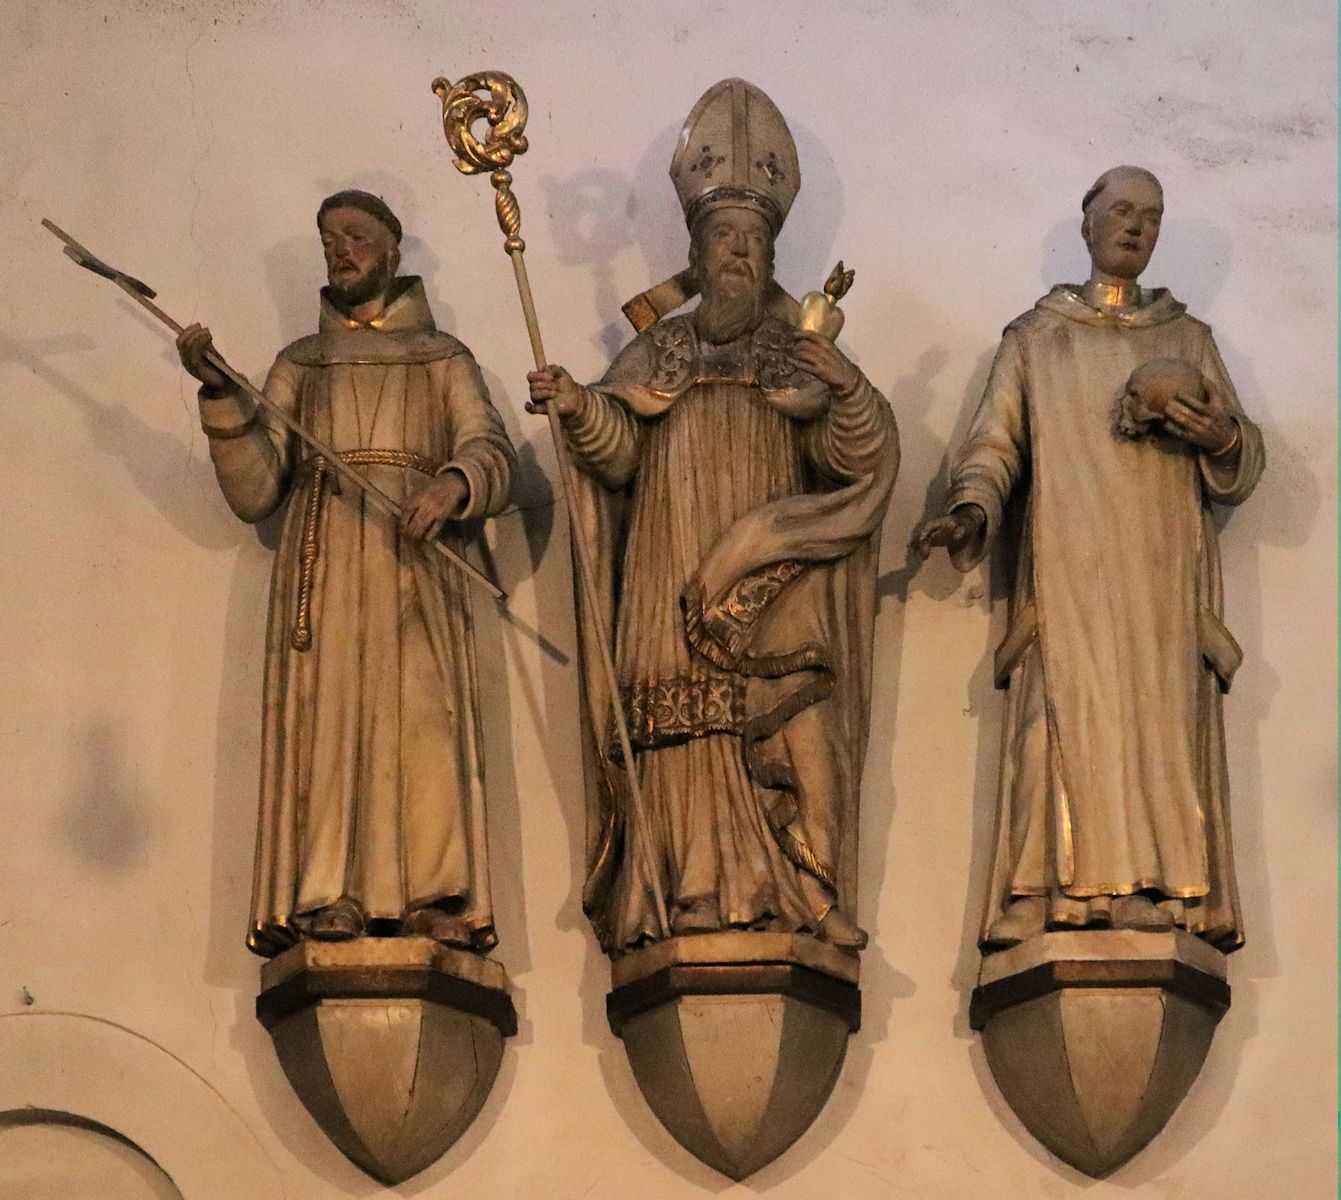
[[1113, 777], [372, 780], [740, 581]]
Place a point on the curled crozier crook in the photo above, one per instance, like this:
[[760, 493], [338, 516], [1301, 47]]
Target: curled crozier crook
[[503, 109]]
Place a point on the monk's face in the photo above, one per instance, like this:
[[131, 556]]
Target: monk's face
[[361, 255], [1121, 226]]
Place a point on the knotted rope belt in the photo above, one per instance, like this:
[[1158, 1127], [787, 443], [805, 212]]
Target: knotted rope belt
[[301, 637]]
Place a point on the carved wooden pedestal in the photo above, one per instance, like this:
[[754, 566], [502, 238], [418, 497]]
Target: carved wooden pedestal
[[736, 1039], [391, 1043], [1094, 1037]]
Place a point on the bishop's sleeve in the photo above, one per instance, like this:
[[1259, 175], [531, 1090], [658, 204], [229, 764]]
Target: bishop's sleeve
[[856, 431], [604, 436], [1230, 478], [478, 445], [252, 452], [996, 451]]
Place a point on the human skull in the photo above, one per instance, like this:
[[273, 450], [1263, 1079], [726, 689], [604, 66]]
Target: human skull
[[1150, 390]]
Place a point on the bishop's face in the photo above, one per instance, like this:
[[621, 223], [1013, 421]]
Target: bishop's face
[[732, 253], [1121, 227], [361, 255], [734, 250]]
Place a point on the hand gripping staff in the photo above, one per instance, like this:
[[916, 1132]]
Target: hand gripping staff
[[503, 108], [144, 295]]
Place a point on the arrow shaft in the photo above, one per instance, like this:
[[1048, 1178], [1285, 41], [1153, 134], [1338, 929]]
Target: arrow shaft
[[378, 498]]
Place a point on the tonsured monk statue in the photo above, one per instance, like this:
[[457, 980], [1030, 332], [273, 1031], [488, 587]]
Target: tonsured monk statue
[[372, 792], [734, 472], [1110, 407]]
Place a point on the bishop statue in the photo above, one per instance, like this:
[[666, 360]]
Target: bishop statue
[[733, 473]]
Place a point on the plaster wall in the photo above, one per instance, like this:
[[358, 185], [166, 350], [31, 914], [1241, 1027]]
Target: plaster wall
[[944, 150]]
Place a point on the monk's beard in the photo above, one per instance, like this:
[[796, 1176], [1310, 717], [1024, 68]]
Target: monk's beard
[[723, 316], [360, 291]]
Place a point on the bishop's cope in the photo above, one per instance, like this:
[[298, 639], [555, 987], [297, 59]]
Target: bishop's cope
[[733, 473], [1109, 412], [372, 788]]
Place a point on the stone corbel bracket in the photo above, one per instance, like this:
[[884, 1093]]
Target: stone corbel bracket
[[392, 1044], [736, 1039], [1094, 1037]]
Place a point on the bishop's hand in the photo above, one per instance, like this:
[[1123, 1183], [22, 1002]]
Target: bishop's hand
[[818, 356], [425, 513], [193, 343], [553, 385], [955, 530]]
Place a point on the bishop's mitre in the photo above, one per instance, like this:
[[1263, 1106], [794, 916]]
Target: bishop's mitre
[[735, 150]]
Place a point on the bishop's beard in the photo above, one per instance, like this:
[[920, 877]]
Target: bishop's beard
[[722, 316]]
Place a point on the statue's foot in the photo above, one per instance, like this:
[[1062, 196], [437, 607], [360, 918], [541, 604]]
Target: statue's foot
[[1140, 912], [440, 926], [842, 931], [1024, 918], [698, 916], [338, 922]]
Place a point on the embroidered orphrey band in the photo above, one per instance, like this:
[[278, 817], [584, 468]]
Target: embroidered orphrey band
[[677, 707], [301, 636]]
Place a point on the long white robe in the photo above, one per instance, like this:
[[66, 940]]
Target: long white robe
[[1113, 776], [372, 782]]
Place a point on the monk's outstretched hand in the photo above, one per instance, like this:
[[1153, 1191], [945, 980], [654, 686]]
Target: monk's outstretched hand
[[955, 530], [553, 385]]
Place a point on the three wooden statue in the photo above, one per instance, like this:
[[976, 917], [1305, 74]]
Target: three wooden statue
[[726, 480]]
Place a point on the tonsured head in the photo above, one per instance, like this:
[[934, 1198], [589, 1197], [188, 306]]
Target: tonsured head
[[360, 236], [1122, 211]]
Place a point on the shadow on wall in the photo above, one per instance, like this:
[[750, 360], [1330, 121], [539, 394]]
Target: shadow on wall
[[590, 219], [167, 471], [929, 458], [105, 818], [237, 760]]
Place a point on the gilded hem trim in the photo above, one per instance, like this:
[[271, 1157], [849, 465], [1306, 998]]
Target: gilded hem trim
[[1091, 892], [720, 632], [801, 855], [1130, 889]]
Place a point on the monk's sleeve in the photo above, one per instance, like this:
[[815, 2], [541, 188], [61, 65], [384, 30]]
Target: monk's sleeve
[[478, 445], [996, 451], [855, 433], [1230, 478], [253, 454]]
